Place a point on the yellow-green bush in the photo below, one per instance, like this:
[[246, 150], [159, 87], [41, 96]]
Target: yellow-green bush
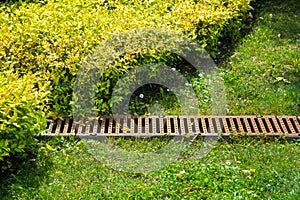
[[54, 37], [22, 112]]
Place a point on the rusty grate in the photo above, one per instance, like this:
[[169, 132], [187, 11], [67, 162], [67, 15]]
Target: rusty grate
[[288, 126]]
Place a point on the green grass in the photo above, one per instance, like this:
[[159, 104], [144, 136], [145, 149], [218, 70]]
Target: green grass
[[246, 168], [261, 76]]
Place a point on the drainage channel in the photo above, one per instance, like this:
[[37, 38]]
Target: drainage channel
[[288, 126]]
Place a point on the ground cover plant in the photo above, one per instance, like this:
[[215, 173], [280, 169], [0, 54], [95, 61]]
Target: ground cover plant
[[262, 77]]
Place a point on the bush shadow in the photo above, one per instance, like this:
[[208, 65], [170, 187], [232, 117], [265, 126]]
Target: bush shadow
[[25, 173]]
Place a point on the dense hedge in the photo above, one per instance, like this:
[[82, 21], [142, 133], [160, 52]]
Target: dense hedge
[[22, 112], [53, 37]]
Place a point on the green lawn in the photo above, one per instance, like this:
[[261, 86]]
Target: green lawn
[[262, 77], [243, 169]]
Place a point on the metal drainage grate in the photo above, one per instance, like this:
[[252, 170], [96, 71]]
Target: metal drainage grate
[[288, 126]]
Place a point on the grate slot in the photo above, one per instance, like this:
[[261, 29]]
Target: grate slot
[[114, 123], [73, 127], [267, 128], [220, 126], [186, 125], [293, 122], [135, 125], [183, 125], [287, 125], [206, 125], [240, 127], [261, 124], [106, 124], [243, 125], [250, 125], [226, 125], [274, 124], [149, 122], [156, 125], [128, 126], [246, 125], [237, 127], [70, 125], [208, 122], [165, 124], [103, 125], [54, 127], [193, 125], [143, 122], [202, 126], [172, 125], [99, 124], [257, 123], [83, 127], [214, 125], [232, 125]]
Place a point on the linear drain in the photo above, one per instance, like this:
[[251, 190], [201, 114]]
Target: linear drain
[[177, 125]]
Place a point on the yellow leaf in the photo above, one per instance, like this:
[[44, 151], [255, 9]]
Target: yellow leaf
[[49, 147], [180, 173], [126, 129]]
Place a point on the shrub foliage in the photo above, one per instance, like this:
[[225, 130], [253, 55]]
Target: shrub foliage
[[22, 112], [54, 37]]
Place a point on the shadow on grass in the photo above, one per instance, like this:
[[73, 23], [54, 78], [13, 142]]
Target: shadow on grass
[[25, 173], [286, 18], [288, 26]]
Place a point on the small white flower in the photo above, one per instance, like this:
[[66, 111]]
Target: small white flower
[[200, 75], [168, 90], [141, 96], [174, 69], [228, 162]]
